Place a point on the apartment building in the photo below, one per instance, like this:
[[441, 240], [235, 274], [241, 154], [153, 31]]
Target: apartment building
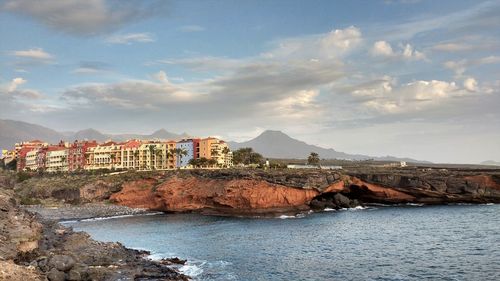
[[105, 156], [133, 154], [214, 148], [76, 154], [31, 160], [186, 150], [56, 159]]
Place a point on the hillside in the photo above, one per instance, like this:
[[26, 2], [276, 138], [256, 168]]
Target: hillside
[[276, 144], [16, 131]]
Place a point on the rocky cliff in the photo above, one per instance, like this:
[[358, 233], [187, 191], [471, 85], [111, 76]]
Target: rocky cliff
[[244, 191], [32, 248], [257, 192]]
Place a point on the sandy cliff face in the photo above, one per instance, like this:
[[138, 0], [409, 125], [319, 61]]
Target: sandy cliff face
[[219, 195]]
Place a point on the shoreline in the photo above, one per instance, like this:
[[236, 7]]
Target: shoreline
[[85, 211]]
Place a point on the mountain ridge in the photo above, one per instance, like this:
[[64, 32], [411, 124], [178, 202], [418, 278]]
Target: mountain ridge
[[276, 144], [12, 131]]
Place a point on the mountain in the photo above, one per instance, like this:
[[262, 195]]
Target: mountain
[[16, 131], [276, 144], [491, 163]]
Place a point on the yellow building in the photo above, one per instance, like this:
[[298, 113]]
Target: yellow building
[[105, 156], [31, 160], [57, 159], [148, 155]]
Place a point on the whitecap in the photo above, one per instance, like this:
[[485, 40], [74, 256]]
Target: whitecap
[[191, 270], [329, 210]]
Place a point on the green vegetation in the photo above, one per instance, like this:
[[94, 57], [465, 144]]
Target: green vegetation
[[247, 156], [22, 176], [202, 162], [313, 159]]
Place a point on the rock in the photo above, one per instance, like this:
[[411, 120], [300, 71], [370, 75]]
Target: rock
[[74, 275], [62, 262], [317, 204], [56, 275], [169, 261], [342, 201], [43, 264]]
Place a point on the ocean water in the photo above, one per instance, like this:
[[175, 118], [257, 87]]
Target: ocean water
[[460, 242]]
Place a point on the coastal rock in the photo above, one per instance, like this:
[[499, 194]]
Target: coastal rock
[[56, 275], [139, 194], [341, 201], [226, 196], [62, 262]]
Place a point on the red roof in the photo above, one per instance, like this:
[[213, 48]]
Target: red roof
[[131, 144]]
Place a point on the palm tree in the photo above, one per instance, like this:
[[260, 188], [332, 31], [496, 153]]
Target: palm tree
[[113, 157], [152, 150], [171, 154], [158, 154], [225, 151], [180, 153], [136, 158]]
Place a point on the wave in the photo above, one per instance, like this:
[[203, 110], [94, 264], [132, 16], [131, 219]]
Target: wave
[[191, 270], [109, 217]]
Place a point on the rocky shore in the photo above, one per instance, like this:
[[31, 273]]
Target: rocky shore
[[85, 211], [34, 248], [257, 192]]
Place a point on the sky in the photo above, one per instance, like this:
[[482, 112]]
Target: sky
[[406, 78]]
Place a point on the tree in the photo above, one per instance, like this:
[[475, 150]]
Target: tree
[[180, 153], [136, 158], [247, 156], [152, 149], [313, 159]]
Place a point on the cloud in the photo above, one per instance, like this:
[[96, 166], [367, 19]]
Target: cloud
[[85, 17], [130, 38], [15, 83], [333, 44], [191, 28], [131, 94], [459, 67], [35, 54], [384, 49], [91, 67], [470, 84]]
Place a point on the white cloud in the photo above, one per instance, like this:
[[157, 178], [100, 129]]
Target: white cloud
[[35, 54], [130, 38], [15, 83], [470, 84], [459, 67], [331, 45], [384, 49]]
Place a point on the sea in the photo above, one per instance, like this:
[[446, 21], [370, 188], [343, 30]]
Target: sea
[[410, 242]]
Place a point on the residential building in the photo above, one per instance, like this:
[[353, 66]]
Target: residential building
[[214, 148], [57, 159], [186, 152], [31, 160], [76, 154], [133, 154], [105, 156]]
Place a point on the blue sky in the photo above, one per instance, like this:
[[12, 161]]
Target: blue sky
[[401, 77]]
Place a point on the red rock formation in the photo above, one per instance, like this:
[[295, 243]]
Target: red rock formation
[[218, 195], [139, 194]]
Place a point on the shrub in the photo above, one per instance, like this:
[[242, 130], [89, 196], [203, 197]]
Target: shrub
[[22, 176]]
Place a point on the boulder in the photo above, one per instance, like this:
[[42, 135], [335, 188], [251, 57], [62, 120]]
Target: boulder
[[56, 275], [341, 201], [62, 262]]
